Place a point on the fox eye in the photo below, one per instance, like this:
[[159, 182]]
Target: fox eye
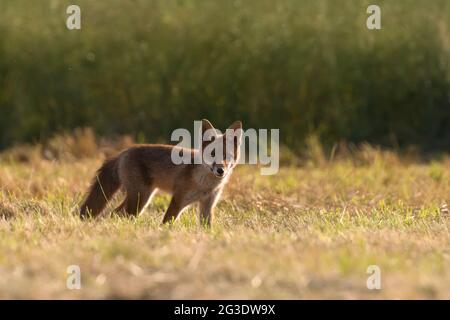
[[213, 153]]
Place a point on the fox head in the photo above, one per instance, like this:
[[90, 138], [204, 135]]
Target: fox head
[[221, 152]]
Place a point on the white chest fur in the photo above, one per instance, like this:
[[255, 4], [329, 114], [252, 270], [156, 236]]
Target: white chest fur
[[205, 185]]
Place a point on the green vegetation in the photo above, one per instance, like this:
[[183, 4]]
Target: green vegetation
[[307, 67]]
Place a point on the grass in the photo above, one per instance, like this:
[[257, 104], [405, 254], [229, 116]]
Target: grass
[[309, 232]]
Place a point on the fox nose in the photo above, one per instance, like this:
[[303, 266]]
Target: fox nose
[[220, 171]]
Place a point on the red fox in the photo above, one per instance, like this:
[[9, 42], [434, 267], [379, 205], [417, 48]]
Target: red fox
[[143, 169]]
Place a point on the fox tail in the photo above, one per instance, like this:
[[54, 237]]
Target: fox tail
[[105, 183]]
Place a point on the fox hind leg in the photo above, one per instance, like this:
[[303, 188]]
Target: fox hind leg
[[120, 210], [176, 206], [138, 201]]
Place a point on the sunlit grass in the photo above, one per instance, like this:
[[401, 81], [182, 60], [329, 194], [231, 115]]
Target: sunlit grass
[[308, 232]]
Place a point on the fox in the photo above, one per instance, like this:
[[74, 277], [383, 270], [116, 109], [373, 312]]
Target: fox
[[144, 169]]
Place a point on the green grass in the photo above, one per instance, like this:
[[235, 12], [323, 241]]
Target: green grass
[[308, 232]]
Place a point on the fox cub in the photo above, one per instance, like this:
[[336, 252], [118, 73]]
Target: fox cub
[[141, 170]]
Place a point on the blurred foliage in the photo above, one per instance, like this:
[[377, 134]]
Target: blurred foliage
[[146, 67]]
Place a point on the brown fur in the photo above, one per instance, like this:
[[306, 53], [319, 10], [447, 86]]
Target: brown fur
[[104, 185], [143, 169]]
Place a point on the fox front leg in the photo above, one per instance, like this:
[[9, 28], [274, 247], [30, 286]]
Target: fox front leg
[[207, 206]]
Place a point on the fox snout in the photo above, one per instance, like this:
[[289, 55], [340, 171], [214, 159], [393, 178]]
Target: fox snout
[[219, 171]]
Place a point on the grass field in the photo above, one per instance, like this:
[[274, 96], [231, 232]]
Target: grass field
[[309, 232]]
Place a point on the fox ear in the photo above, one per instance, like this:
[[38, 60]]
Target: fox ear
[[206, 125], [236, 125], [208, 131], [236, 128]]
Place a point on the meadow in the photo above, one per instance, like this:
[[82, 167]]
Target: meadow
[[311, 231]]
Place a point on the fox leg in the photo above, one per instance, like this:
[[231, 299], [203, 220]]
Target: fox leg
[[176, 206], [207, 209], [136, 201], [120, 209]]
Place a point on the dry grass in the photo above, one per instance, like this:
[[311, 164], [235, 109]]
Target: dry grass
[[308, 232]]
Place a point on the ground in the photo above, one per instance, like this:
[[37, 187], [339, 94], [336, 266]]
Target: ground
[[311, 231]]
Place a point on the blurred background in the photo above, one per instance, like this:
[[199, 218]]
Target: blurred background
[[309, 68]]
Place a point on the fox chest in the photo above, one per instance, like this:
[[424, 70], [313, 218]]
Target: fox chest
[[203, 190]]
